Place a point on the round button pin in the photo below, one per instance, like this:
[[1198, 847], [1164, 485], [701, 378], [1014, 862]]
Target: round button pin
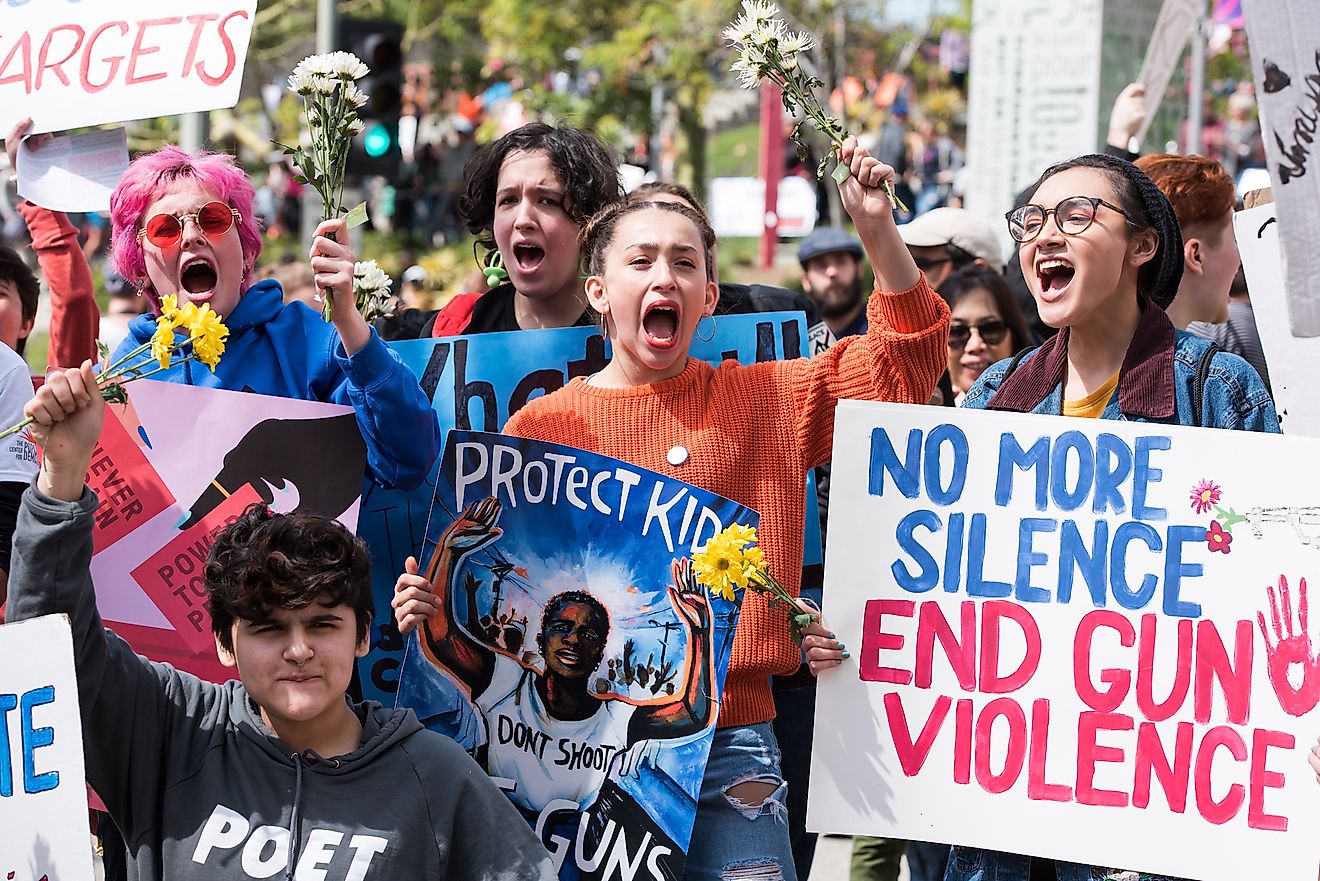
[[678, 455]]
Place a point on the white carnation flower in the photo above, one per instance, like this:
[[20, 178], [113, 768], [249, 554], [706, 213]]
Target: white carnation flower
[[325, 85], [356, 127], [314, 66], [792, 44], [759, 11], [300, 83], [368, 277], [347, 66], [354, 96]]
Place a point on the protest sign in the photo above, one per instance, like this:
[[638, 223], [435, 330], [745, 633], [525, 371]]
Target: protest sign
[[1173, 27], [73, 172], [575, 655], [477, 382], [68, 64], [731, 196], [1289, 357], [43, 800], [1285, 59], [1074, 639], [176, 464]]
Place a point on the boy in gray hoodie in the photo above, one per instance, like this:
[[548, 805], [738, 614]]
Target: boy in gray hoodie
[[278, 775]]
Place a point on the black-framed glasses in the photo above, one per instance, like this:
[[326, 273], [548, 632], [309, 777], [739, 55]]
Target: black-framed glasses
[[214, 219], [926, 263], [992, 332], [1073, 216]]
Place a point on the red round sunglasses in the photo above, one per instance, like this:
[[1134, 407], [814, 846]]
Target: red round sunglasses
[[214, 219]]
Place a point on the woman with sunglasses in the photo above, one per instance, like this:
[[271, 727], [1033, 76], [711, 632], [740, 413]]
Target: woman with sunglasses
[[1101, 251], [183, 224], [986, 324]]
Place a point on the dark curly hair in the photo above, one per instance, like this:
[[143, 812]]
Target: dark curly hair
[[586, 167], [561, 601], [12, 268], [264, 561]]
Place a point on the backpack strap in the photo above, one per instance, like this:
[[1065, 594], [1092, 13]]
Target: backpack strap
[[1198, 382]]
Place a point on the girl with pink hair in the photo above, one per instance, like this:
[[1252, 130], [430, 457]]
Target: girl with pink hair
[[183, 224]]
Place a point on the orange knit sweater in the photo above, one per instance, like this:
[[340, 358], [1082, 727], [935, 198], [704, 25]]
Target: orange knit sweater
[[752, 432]]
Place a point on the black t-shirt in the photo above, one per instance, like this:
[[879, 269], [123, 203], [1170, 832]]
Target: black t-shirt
[[493, 312]]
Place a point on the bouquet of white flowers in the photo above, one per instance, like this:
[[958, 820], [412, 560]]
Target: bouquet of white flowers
[[327, 85], [768, 50]]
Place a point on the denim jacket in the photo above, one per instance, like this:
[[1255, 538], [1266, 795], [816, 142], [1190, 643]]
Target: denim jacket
[[1155, 385]]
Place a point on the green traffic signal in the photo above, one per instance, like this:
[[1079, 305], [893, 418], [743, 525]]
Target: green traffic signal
[[377, 140]]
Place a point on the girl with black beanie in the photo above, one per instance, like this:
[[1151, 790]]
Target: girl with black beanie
[[1101, 251]]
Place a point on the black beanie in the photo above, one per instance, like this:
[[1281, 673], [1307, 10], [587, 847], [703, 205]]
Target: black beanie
[[1159, 278]]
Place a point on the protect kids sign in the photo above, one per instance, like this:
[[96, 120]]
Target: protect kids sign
[[575, 656], [1083, 640], [476, 383], [67, 63], [43, 799]]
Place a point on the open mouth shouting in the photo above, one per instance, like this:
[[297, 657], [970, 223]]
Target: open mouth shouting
[[527, 256], [660, 324], [1053, 276], [198, 276]]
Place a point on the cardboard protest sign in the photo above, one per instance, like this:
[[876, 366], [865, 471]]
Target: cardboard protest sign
[[575, 655], [1074, 639], [43, 800], [1285, 59], [69, 64], [1173, 27], [177, 464], [477, 382], [1289, 357]]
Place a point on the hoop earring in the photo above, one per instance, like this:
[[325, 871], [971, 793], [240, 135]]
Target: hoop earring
[[494, 269], [697, 330]]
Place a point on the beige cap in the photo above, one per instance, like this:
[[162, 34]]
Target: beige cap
[[958, 227]]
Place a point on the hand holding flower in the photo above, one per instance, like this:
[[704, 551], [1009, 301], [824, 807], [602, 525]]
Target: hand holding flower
[[332, 262]]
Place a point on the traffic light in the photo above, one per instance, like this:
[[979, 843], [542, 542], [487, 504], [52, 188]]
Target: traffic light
[[379, 44]]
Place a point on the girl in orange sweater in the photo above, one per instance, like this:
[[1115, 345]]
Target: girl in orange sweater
[[748, 433]]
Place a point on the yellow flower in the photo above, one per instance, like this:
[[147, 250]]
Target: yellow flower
[[718, 566], [169, 309], [753, 558], [208, 334], [162, 341], [187, 316], [740, 535]]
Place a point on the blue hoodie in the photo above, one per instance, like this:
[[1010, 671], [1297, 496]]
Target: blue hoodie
[[290, 352]]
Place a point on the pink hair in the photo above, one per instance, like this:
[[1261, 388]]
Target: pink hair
[[151, 176]]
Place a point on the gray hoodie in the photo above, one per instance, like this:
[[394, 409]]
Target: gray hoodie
[[201, 788]]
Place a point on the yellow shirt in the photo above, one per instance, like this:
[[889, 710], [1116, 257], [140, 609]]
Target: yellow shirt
[[1091, 406]]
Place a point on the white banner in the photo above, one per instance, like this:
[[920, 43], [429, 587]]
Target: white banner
[[737, 206], [43, 799], [68, 64], [1285, 58], [1291, 359], [1072, 638]]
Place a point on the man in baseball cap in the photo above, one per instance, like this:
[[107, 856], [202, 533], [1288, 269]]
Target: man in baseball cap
[[945, 240], [832, 277]]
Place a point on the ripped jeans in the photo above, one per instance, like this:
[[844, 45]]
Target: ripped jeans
[[740, 839]]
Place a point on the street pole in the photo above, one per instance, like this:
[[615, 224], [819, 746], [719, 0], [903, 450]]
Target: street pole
[[772, 166], [1196, 88], [193, 130]]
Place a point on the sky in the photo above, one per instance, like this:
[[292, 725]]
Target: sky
[[915, 11]]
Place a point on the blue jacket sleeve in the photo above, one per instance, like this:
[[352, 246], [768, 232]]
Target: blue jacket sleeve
[[396, 420]]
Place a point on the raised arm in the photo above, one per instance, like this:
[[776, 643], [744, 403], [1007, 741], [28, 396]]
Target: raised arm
[[133, 711], [903, 352], [691, 711], [75, 319], [433, 600]]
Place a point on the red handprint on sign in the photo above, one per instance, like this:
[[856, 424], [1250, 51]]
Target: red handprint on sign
[[1291, 648]]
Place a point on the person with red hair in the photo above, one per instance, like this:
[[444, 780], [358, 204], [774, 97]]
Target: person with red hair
[[183, 225], [1203, 198]]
